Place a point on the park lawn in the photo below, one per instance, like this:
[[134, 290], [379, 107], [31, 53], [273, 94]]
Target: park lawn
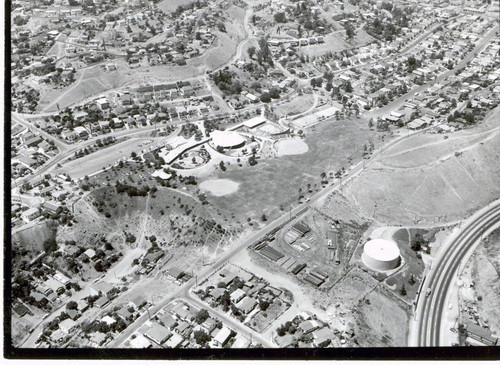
[[274, 183]]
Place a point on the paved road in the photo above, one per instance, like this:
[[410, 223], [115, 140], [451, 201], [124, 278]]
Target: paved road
[[427, 329]]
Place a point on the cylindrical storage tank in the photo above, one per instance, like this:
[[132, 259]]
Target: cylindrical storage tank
[[381, 255]]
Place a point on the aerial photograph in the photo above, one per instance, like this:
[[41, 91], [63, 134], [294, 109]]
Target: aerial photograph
[[251, 175]]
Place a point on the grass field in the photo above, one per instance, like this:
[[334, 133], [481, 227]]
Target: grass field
[[274, 182]]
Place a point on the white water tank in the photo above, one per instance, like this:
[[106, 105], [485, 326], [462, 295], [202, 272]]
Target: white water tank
[[381, 255]]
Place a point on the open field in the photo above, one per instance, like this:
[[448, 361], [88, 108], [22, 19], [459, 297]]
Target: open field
[[330, 144], [431, 179], [381, 321], [89, 82], [335, 42], [171, 5], [105, 157], [295, 106]]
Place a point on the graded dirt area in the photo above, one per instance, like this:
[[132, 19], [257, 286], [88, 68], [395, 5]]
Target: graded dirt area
[[486, 276], [385, 318], [295, 106], [290, 147], [219, 187], [428, 179]]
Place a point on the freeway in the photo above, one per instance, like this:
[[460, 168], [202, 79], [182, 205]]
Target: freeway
[[427, 328]]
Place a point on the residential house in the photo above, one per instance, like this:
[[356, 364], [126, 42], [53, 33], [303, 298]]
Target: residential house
[[237, 295], [158, 333], [30, 214], [246, 305], [308, 326], [174, 341], [167, 320], [323, 337], [101, 302], [68, 325], [222, 337], [137, 302], [101, 288]]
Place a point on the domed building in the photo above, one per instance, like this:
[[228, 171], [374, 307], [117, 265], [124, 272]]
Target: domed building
[[227, 139], [381, 255]]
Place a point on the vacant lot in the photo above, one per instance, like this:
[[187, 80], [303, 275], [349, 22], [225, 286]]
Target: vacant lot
[[295, 106], [486, 269], [171, 5], [335, 42], [89, 82], [424, 181], [105, 157], [381, 321]]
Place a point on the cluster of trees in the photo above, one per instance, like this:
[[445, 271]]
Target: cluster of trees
[[132, 190], [103, 327], [287, 327], [417, 242], [227, 82], [104, 264], [273, 93]]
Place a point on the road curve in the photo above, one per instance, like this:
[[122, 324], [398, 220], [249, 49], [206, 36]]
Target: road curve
[[430, 309]]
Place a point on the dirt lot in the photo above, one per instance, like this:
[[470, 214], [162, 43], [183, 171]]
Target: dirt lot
[[105, 157], [335, 42], [427, 182], [387, 321], [295, 106], [486, 269]]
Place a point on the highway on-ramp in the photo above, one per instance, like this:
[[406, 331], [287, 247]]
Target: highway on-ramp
[[430, 307]]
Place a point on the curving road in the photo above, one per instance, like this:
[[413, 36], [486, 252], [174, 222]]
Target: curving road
[[427, 330]]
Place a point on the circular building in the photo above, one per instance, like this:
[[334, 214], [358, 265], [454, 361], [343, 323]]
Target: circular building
[[227, 139], [381, 255]]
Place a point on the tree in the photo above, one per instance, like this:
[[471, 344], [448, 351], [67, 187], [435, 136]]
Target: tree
[[201, 337], [349, 30], [50, 245], [263, 305], [264, 218], [280, 17], [202, 316], [251, 51], [417, 242], [72, 305], [411, 281], [403, 290], [281, 331]]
